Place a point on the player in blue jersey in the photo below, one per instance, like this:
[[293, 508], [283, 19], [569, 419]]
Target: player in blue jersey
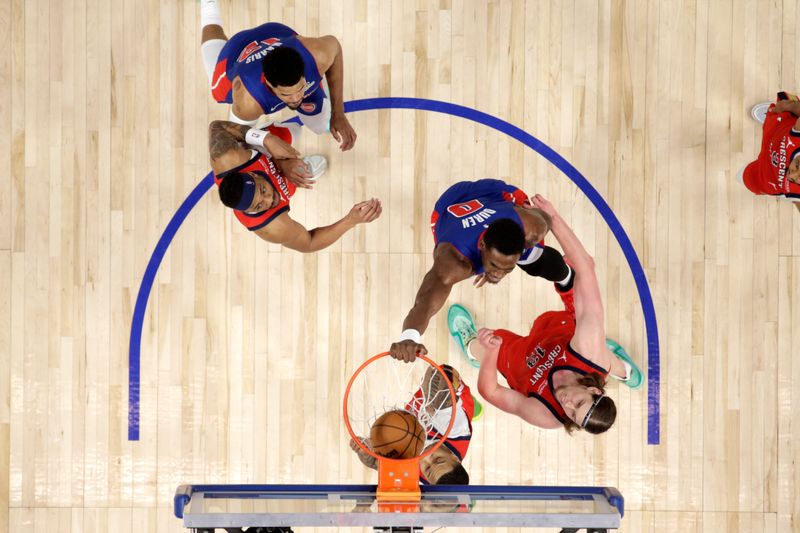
[[270, 67], [483, 228]]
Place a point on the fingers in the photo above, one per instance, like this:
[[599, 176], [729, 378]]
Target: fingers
[[348, 138], [302, 182], [479, 281], [487, 337], [369, 210], [343, 132], [298, 173], [407, 350], [303, 171]]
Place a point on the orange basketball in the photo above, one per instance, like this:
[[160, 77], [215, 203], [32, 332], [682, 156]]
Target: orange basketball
[[397, 435]]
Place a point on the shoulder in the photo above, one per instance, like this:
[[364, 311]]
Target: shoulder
[[590, 348], [449, 265], [535, 412], [279, 230], [324, 49]]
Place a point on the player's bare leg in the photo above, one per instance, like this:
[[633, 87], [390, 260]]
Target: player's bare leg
[[212, 32]]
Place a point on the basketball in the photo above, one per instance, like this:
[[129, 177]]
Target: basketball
[[397, 435]]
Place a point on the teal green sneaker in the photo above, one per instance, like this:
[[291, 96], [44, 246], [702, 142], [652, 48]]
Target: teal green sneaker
[[463, 330], [478, 412], [635, 380]]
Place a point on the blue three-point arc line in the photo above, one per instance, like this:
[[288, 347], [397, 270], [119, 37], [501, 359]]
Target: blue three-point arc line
[[367, 104]]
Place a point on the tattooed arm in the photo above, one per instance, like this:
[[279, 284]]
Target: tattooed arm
[[226, 145]]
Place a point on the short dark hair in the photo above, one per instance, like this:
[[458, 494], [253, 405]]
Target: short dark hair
[[283, 67], [231, 187], [505, 236], [457, 476]]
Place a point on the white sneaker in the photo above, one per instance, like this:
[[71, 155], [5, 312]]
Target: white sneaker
[[317, 165], [759, 112]]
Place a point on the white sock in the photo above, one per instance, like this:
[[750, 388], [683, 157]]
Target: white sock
[[628, 369], [469, 351], [209, 13], [210, 51], [565, 281]]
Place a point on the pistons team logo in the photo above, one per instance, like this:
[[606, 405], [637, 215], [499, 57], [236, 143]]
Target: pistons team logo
[[467, 208], [774, 158], [308, 107], [262, 48]]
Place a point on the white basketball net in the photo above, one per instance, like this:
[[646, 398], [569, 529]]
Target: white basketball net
[[386, 385]]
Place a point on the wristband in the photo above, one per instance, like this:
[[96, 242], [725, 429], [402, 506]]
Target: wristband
[[255, 137], [410, 335]]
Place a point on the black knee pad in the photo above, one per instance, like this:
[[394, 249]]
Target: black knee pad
[[550, 266]]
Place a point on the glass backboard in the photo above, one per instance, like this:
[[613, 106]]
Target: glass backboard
[[243, 506]]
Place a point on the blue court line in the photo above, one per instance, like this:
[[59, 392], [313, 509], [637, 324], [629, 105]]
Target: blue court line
[[134, 345], [651, 326]]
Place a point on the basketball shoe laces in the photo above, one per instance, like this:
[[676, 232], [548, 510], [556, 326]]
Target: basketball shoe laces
[[466, 332]]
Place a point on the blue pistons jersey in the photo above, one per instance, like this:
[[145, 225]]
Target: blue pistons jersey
[[242, 56], [464, 211]]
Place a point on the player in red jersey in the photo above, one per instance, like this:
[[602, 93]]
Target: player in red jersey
[[776, 172], [255, 185], [557, 373], [444, 466]]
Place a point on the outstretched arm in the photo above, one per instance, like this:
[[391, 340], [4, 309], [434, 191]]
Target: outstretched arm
[[226, 145], [290, 233], [341, 129], [530, 410], [447, 270], [589, 337]]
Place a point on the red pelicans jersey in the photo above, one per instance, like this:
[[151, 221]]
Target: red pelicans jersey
[[263, 165], [779, 145], [530, 363], [461, 433]]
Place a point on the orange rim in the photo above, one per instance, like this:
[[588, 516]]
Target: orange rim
[[425, 453]]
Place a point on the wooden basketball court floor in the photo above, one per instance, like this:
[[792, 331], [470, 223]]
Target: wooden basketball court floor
[[246, 348]]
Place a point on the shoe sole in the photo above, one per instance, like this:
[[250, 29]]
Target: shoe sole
[[757, 115]]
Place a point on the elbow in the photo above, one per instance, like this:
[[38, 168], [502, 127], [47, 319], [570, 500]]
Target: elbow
[[447, 278], [583, 263], [485, 390]]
